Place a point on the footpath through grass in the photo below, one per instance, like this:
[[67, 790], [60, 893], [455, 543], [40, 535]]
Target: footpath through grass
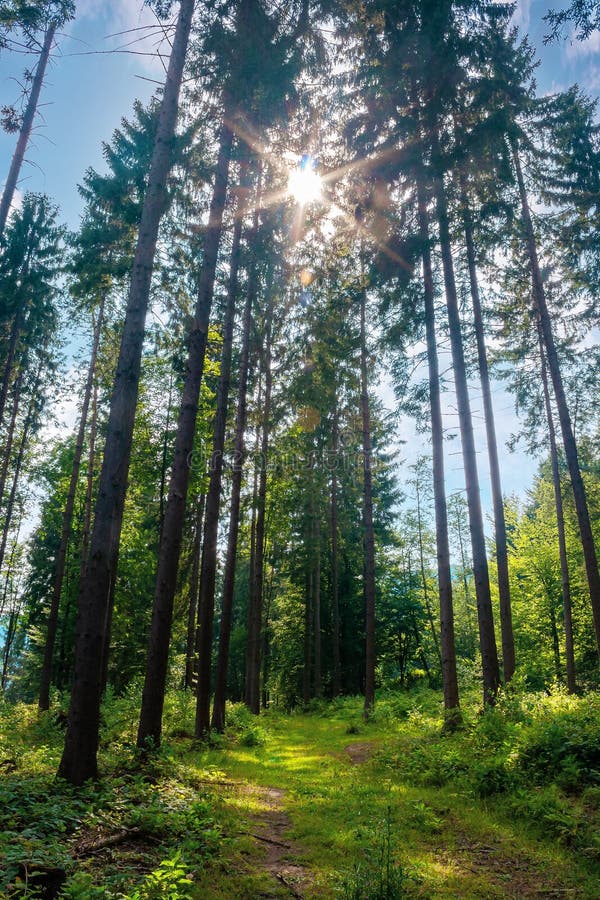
[[318, 805]]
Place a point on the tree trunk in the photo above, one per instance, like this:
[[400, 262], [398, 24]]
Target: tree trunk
[[208, 569], [560, 523], [10, 435], [555, 640], [164, 462], [110, 608], [449, 677], [10, 566], [79, 760], [190, 644], [335, 580], [571, 455], [487, 637], [252, 692], [18, 464], [317, 605], [25, 132], [15, 333], [369, 534], [506, 626], [266, 646], [11, 630], [465, 575], [67, 522], [89, 487], [218, 714], [307, 630], [428, 608]]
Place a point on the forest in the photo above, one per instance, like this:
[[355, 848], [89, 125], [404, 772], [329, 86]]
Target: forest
[[271, 623]]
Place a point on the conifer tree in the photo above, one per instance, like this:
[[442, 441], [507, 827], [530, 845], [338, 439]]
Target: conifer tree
[[79, 761]]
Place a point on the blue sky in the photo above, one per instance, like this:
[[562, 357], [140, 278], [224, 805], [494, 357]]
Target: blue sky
[[88, 90], [86, 93]]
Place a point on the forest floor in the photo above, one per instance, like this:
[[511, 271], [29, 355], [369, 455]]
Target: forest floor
[[316, 805]]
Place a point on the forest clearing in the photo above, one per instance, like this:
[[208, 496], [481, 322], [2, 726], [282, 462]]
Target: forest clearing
[[299, 449], [318, 804]]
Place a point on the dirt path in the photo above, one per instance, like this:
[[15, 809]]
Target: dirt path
[[271, 829], [360, 752]]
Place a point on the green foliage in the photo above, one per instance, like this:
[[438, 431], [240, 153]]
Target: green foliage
[[168, 881], [244, 727], [379, 876], [565, 748], [46, 824]]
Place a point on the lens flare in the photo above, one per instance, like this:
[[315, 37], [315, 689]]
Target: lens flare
[[304, 184]]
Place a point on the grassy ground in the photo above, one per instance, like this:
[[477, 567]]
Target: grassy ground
[[318, 805]]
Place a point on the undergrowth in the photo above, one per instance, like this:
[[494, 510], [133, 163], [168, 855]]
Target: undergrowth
[[534, 759], [536, 756]]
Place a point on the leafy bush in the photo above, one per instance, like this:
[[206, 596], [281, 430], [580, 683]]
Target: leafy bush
[[243, 726], [168, 881], [565, 749]]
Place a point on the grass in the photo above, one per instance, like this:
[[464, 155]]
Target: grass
[[509, 806]]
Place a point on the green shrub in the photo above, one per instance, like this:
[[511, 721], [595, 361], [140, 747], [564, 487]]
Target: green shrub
[[244, 727], [565, 749], [492, 776]]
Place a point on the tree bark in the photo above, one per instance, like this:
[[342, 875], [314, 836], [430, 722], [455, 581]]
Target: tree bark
[[190, 644], [25, 132], [307, 629], [164, 462], [335, 580], [487, 637], [15, 333], [252, 692], [10, 435], [67, 522], [506, 625], [208, 569], [369, 533], [449, 676], [166, 580], [560, 523], [317, 605], [218, 714], [569, 443], [79, 759], [89, 487]]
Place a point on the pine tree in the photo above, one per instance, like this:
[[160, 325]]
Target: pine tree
[[78, 762], [54, 17]]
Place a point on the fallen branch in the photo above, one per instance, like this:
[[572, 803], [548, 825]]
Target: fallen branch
[[112, 840], [269, 840], [289, 886]]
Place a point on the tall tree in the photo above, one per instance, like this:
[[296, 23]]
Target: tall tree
[[508, 643], [218, 714], [255, 598], [170, 546], [369, 533], [55, 17], [449, 675], [564, 417], [46, 674], [560, 525], [79, 759]]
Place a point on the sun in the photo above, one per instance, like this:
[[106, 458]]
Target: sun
[[304, 183]]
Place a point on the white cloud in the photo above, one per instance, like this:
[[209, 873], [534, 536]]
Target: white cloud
[[576, 49], [522, 14]]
